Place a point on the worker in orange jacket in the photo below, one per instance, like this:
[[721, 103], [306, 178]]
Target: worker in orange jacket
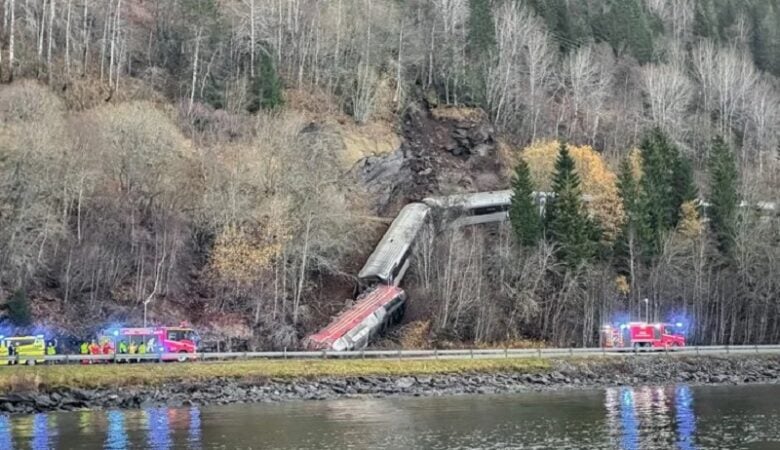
[[94, 349]]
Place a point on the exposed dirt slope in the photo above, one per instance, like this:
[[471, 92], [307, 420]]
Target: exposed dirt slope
[[444, 151]]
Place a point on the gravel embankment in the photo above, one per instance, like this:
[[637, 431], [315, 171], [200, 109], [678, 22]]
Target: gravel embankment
[[564, 373]]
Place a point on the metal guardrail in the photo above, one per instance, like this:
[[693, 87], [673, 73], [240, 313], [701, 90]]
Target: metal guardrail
[[494, 353]]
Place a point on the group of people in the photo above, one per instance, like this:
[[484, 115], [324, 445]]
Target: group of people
[[105, 347]]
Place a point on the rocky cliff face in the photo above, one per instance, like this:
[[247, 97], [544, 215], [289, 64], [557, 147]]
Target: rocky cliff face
[[444, 151]]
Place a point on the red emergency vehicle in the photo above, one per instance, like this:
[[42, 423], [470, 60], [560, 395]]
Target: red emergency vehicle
[[181, 339], [642, 334]]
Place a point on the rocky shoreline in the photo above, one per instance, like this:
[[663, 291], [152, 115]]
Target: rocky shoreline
[[563, 373]]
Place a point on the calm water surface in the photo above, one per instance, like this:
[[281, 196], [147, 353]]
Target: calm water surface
[[632, 418]]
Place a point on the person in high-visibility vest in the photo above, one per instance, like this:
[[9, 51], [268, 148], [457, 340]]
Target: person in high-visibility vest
[[84, 350], [141, 349], [122, 347], [4, 352], [51, 350]]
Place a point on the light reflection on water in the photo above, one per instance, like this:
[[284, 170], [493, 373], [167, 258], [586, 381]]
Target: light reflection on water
[[654, 411], [624, 417]]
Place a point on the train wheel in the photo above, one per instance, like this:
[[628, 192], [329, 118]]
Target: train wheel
[[30, 362], [182, 356]]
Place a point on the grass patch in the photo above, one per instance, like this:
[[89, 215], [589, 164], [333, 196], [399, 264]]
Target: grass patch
[[20, 378]]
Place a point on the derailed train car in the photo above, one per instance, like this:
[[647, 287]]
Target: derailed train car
[[389, 261], [383, 302], [354, 327]]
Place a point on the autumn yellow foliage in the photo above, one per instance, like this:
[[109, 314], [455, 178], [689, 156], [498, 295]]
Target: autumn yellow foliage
[[241, 253], [690, 225], [599, 182]]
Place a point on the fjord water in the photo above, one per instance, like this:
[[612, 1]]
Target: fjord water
[[666, 417]]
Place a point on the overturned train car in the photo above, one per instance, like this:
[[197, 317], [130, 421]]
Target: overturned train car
[[383, 301]]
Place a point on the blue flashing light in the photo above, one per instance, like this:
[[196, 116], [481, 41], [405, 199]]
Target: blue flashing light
[[679, 324], [116, 332], [623, 326]]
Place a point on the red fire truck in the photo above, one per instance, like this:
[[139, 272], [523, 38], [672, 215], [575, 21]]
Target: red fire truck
[[642, 334], [181, 339]]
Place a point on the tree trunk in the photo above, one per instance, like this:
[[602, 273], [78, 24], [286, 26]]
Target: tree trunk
[[51, 39], [194, 70], [251, 38], [302, 274], [85, 39], [114, 33], [67, 39], [103, 44], [41, 30], [11, 43]]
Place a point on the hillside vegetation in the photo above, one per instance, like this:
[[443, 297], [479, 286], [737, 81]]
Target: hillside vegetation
[[232, 162]]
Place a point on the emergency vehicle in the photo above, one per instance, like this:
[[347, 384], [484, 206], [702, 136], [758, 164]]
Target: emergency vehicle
[[642, 334], [29, 349], [181, 339]]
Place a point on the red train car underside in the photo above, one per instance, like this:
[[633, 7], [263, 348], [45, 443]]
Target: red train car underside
[[363, 309]]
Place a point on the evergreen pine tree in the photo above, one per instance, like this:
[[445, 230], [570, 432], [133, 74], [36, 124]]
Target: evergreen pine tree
[[19, 309], [723, 195], [667, 183], [625, 24], [567, 222], [480, 43], [625, 244], [266, 87], [523, 213]]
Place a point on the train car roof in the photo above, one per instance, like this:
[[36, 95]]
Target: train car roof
[[364, 307], [470, 201], [396, 240]]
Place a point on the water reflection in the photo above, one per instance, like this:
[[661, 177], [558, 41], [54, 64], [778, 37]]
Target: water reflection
[[193, 431], [5, 432], [646, 412], [159, 429], [40, 436], [625, 417], [685, 417], [116, 435]]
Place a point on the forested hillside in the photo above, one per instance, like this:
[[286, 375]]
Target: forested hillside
[[232, 162]]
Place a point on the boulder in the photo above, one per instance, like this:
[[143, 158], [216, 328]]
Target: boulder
[[405, 382]]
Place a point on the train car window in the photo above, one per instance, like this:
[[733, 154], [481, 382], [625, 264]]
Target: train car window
[[489, 209]]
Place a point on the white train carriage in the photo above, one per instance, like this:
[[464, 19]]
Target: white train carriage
[[476, 208], [389, 261]]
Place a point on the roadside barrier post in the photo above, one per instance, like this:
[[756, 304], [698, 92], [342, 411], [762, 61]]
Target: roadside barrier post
[[435, 353], [471, 351], [506, 352]]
